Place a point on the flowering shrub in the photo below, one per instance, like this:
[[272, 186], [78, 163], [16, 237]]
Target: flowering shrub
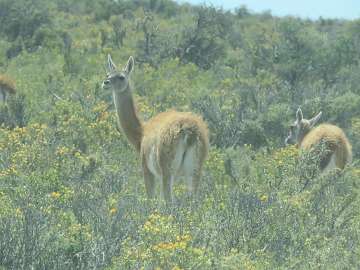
[[160, 244], [72, 194]]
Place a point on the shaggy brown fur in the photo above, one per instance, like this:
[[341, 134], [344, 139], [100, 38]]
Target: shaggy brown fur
[[306, 136], [171, 125], [170, 144], [335, 141], [7, 84]]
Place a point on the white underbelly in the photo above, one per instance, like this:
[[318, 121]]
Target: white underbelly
[[190, 161], [183, 162], [152, 162], [176, 163]]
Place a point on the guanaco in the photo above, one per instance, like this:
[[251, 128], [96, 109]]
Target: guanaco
[[170, 144], [306, 136]]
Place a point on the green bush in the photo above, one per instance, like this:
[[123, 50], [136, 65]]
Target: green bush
[[71, 189]]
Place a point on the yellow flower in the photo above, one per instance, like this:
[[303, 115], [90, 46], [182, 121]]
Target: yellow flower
[[62, 150], [180, 245], [147, 225], [113, 211], [264, 198], [103, 116], [164, 246], [198, 251], [12, 169], [9, 171], [55, 194], [186, 237], [18, 212]]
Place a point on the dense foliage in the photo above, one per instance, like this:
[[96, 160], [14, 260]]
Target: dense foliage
[[71, 190]]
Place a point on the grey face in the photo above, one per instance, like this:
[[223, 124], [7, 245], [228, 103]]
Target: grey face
[[300, 127], [297, 131], [117, 80]]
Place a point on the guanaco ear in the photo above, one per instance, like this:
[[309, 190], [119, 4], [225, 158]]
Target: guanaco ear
[[111, 65], [130, 65], [299, 115], [315, 119]]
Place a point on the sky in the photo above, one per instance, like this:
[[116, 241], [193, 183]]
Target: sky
[[313, 9]]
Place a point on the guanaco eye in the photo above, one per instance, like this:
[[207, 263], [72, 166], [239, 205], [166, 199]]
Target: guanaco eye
[[121, 77]]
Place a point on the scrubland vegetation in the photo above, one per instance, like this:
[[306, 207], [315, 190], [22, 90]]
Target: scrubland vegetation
[[71, 189]]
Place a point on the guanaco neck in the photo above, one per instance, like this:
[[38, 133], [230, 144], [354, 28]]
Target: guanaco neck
[[128, 118], [302, 135]]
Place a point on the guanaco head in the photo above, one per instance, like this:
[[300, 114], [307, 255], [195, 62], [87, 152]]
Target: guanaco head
[[118, 80], [300, 127]]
